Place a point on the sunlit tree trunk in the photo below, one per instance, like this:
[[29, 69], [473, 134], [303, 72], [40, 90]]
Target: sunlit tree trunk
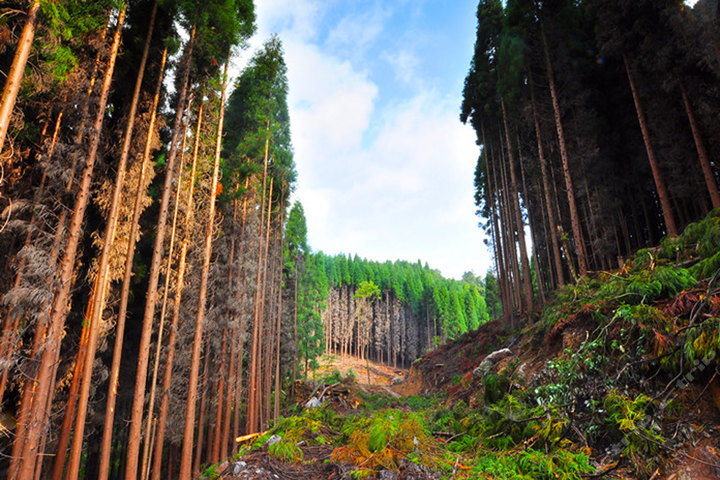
[[17, 70], [102, 280], [251, 417], [177, 300], [151, 298], [185, 465], [31, 426], [125, 289]]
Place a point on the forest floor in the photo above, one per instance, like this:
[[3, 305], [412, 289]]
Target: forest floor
[[616, 378], [347, 365]]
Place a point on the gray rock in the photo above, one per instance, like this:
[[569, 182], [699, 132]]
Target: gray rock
[[388, 475], [273, 440], [397, 380], [313, 403], [488, 362], [238, 467]]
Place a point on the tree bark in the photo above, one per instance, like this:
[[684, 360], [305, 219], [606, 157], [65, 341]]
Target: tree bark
[[102, 280], [30, 428], [17, 70], [702, 152], [574, 216], [106, 444], [559, 274], [177, 300], [185, 460], [151, 298], [251, 423], [657, 175]]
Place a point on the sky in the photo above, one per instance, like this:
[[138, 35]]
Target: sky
[[385, 168]]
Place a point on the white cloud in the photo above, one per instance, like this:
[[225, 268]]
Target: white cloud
[[404, 65], [357, 31], [385, 181]]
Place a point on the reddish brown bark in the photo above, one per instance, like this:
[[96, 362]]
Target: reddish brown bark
[[559, 274], [574, 216], [185, 465], [17, 70], [151, 298], [31, 426], [106, 444], [177, 300], [657, 175], [702, 152]]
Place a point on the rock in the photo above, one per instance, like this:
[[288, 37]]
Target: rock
[[238, 467], [313, 403], [397, 380], [222, 468], [388, 475], [273, 440], [488, 362]]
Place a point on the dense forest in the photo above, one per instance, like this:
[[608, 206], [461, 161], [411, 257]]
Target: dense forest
[[162, 311], [597, 121], [159, 297]]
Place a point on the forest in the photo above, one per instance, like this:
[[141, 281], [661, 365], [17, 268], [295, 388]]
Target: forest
[[597, 120], [163, 315], [159, 297]]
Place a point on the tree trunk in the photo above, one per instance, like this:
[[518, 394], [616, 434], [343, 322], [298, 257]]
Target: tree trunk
[[220, 394], [574, 216], [102, 280], [546, 190], [251, 424], [151, 298], [17, 70], [185, 465], [702, 152], [179, 285], [657, 175], [125, 289], [30, 428]]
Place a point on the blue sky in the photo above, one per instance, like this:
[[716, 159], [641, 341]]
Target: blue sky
[[385, 168]]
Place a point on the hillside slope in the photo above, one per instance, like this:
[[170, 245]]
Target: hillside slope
[[617, 378]]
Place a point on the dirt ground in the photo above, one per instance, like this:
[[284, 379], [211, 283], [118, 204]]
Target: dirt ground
[[379, 374]]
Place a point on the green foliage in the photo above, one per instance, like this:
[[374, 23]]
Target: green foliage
[[629, 418]]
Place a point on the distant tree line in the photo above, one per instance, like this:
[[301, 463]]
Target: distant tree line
[[598, 126]]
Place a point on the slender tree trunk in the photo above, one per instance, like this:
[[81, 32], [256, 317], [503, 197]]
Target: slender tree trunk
[[497, 237], [201, 421], [702, 152], [574, 216], [511, 229], [151, 298], [185, 465], [220, 395], [276, 412], [125, 289], [657, 175], [30, 428], [546, 190], [102, 280], [17, 70], [251, 423], [65, 430], [177, 300]]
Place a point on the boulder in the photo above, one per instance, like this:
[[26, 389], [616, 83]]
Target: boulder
[[489, 362]]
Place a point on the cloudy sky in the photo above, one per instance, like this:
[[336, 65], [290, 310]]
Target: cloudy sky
[[385, 168]]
